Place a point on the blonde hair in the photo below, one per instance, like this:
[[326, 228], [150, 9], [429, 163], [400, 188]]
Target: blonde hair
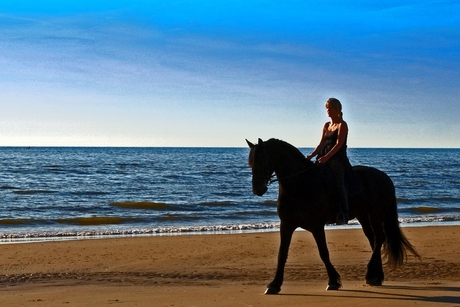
[[335, 104]]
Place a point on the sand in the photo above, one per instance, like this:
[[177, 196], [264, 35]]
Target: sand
[[225, 270]]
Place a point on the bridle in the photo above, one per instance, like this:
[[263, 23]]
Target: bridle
[[270, 178], [267, 178]]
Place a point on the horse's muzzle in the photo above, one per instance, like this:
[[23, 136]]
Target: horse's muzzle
[[259, 191]]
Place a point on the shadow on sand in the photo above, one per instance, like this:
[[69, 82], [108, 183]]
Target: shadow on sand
[[411, 293]]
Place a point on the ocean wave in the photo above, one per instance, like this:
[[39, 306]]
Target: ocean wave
[[7, 187], [95, 220], [141, 205], [446, 199], [258, 213], [150, 205], [80, 221], [430, 219], [271, 203], [151, 231], [33, 192], [206, 229], [428, 215], [429, 210], [174, 217], [425, 210], [6, 222]]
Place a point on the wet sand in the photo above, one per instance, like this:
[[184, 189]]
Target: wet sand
[[225, 270]]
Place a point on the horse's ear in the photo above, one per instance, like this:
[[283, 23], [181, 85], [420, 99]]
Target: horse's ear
[[250, 144], [261, 143]]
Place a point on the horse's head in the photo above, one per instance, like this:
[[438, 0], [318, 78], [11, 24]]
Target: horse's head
[[262, 169]]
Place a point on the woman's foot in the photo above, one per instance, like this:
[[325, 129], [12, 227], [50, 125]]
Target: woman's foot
[[342, 218]]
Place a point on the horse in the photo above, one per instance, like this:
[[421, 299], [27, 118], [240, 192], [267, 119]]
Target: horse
[[305, 200]]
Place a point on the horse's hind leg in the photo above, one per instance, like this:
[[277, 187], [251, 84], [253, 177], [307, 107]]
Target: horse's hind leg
[[376, 237], [286, 235], [334, 277]]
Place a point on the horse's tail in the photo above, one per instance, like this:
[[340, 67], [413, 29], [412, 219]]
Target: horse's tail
[[396, 245]]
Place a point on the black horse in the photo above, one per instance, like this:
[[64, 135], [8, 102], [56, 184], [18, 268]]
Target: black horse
[[305, 201]]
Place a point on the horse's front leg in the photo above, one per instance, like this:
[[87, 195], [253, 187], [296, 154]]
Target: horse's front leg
[[286, 235], [334, 277]]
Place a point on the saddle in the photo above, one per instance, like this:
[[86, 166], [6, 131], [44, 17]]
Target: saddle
[[352, 183]]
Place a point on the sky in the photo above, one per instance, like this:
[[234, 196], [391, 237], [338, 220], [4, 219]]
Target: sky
[[214, 73]]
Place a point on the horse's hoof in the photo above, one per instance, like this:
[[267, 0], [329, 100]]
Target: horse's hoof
[[374, 282], [333, 287], [272, 290]]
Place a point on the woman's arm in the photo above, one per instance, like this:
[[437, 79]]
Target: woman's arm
[[321, 143]]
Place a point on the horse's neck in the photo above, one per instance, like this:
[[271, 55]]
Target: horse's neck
[[287, 165]]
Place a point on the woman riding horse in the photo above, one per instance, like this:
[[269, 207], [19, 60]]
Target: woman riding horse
[[304, 201], [332, 152]]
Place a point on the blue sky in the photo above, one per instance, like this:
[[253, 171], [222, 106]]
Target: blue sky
[[212, 73]]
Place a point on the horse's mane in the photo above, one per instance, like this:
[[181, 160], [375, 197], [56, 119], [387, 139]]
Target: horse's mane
[[292, 150]]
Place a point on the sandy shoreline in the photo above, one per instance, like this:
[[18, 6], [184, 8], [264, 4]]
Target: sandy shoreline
[[224, 270]]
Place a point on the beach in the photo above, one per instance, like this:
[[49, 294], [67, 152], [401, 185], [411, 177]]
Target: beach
[[225, 270]]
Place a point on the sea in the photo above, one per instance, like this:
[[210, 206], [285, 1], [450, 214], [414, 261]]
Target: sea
[[57, 193]]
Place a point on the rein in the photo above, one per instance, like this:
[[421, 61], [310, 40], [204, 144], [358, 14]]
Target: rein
[[271, 178]]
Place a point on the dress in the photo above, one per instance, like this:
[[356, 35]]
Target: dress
[[338, 163], [330, 141]]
